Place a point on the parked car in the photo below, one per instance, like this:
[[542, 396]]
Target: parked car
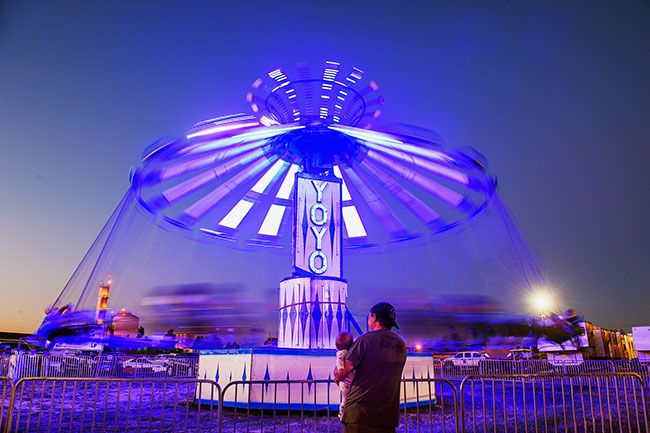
[[183, 367], [466, 359], [142, 365], [180, 366]]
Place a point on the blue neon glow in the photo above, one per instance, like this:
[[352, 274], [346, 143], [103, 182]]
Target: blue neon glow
[[386, 175]]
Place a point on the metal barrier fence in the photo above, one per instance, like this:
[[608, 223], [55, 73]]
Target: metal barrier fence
[[439, 413], [312, 406], [595, 402], [6, 388], [599, 402], [541, 366], [111, 405], [634, 366], [24, 364], [448, 370], [284, 405]]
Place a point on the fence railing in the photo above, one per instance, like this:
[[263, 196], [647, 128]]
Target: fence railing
[[6, 391], [612, 402], [284, 405], [633, 366], [439, 412], [449, 369], [111, 404], [599, 402], [313, 405], [24, 364]]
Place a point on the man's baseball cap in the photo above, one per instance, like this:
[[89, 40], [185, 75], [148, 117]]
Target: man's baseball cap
[[385, 314]]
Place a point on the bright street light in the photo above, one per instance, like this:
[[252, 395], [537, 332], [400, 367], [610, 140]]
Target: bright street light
[[542, 301]]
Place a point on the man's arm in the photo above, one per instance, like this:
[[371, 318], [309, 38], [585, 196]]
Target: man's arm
[[341, 373]]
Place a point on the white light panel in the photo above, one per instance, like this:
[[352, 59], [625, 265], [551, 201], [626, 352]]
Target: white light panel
[[236, 214], [271, 224], [353, 223]]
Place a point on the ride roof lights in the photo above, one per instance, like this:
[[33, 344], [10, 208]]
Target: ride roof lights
[[232, 177]]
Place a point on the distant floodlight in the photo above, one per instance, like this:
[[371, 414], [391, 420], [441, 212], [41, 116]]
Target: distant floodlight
[[542, 301]]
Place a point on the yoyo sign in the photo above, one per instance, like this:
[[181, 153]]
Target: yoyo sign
[[317, 233]]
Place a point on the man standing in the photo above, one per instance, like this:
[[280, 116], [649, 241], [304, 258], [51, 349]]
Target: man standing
[[378, 359]]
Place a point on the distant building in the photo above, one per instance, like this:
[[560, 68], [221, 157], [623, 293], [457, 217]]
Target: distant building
[[125, 324], [594, 342], [102, 301], [641, 339]]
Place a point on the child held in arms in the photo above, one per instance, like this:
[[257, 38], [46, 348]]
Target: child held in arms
[[344, 342]]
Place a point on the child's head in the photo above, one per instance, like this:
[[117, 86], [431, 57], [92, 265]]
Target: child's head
[[344, 341]]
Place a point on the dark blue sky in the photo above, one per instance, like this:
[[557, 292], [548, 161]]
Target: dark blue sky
[[555, 94]]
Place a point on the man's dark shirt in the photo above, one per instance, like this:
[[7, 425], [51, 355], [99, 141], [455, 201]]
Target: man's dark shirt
[[378, 358]]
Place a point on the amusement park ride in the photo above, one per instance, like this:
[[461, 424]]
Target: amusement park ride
[[306, 171], [308, 155], [308, 161]]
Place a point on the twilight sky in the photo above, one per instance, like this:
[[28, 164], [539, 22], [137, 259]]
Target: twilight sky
[[555, 94]]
